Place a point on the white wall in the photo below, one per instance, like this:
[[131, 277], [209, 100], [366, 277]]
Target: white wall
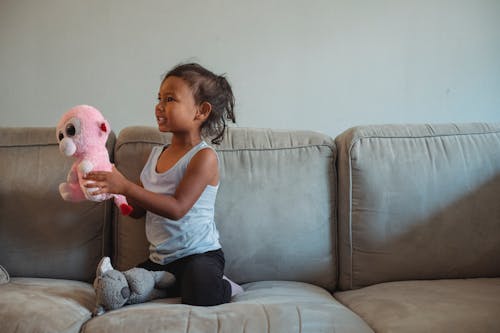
[[320, 65]]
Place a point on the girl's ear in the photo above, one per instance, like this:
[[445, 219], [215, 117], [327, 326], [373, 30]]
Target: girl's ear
[[204, 111]]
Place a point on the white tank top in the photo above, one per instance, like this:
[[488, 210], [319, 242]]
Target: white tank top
[[195, 232]]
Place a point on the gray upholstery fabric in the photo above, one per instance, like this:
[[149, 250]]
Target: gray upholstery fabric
[[264, 307], [418, 202], [40, 234], [275, 207], [441, 306], [33, 305]]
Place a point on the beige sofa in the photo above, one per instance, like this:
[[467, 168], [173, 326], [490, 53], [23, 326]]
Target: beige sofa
[[385, 228]]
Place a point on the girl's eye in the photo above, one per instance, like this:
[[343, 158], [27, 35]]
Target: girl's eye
[[165, 100]]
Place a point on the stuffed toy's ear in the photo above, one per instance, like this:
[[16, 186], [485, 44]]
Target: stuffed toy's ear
[[103, 266], [4, 275]]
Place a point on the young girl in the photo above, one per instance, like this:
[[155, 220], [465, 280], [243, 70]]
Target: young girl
[[179, 185]]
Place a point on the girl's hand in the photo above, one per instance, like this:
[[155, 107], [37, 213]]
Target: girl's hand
[[106, 182]]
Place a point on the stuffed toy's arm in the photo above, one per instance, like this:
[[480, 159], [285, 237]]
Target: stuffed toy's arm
[[163, 279], [85, 167], [144, 284]]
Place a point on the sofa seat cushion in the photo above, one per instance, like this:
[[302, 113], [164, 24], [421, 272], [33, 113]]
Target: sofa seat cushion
[[267, 306], [32, 305], [469, 305]]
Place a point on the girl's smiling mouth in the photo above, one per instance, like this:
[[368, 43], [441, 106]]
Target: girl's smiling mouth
[[161, 120]]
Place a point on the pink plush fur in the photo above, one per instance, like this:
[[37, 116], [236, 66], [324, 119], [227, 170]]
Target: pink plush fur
[[82, 133]]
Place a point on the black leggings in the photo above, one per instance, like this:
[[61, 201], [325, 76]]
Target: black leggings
[[198, 278]]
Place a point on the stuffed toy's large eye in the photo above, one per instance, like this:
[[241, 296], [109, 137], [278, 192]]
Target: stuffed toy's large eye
[[70, 130]]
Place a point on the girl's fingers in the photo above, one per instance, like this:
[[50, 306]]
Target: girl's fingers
[[95, 192], [90, 185], [95, 176]]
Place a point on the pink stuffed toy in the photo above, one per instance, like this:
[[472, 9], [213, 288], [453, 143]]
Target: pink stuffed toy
[[82, 133]]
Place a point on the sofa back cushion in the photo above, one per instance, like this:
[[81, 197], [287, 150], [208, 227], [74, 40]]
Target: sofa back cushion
[[274, 209], [41, 235], [418, 202]]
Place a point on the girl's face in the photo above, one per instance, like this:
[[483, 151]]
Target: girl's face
[[176, 109]]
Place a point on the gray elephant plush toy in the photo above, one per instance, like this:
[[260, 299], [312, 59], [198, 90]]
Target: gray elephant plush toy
[[115, 289]]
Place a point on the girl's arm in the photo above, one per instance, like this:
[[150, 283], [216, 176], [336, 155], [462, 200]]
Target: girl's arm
[[201, 171], [138, 211]]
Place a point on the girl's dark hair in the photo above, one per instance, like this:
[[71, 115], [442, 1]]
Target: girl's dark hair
[[214, 89]]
